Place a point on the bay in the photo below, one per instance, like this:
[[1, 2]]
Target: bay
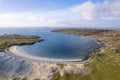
[[55, 45]]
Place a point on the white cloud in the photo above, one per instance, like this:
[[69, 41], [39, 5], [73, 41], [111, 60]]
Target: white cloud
[[35, 18], [99, 23], [86, 14], [24, 19], [89, 10], [85, 10]]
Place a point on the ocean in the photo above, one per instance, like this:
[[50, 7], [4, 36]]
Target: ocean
[[56, 46]]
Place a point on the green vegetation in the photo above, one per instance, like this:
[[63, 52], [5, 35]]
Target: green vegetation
[[66, 76], [83, 32], [106, 67], [102, 66], [15, 39]]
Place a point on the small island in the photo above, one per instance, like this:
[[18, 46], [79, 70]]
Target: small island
[[8, 40]]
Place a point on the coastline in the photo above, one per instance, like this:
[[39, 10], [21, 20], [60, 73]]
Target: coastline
[[8, 40], [97, 50], [13, 50], [105, 63], [45, 69], [42, 70]]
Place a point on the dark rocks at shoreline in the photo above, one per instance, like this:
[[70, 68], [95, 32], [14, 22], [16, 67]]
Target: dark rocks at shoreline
[[117, 50]]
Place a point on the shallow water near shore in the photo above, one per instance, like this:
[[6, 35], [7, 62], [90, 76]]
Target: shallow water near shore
[[12, 65], [55, 45]]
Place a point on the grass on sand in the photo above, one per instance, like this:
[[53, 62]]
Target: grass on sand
[[105, 67]]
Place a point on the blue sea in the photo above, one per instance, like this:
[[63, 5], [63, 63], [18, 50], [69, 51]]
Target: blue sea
[[55, 45]]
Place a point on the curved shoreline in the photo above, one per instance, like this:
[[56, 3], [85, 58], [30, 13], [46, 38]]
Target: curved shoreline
[[45, 69], [13, 50]]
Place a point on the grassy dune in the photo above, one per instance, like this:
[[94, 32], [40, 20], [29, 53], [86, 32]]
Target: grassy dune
[[102, 65]]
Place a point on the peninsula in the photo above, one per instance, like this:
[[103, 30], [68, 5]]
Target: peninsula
[[103, 64], [7, 40]]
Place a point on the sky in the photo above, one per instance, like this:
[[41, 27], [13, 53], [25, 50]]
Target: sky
[[60, 13]]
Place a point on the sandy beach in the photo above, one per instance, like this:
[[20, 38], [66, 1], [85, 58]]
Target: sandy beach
[[43, 69], [13, 49], [40, 69]]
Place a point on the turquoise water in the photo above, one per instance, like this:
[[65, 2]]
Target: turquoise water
[[55, 45]]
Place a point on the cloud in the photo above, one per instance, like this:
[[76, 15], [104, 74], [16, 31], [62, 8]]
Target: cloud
[[88, 14], [36, 18], [23, 19], [90, 10], [86, 10], [98, 23]]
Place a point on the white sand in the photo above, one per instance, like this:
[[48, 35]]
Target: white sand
[[43, 69], [14, 50]]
